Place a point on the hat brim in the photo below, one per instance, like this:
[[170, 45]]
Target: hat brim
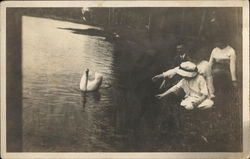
[[185, 73]]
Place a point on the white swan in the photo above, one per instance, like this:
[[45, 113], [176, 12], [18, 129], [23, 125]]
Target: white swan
[[86, 85]]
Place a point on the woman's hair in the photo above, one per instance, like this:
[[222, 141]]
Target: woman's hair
[[221, 39], [221, 43]]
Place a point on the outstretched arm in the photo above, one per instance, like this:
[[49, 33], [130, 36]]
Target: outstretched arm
[[160, 96], [169, 74], [171, 90], [233, 66], [157, 77]]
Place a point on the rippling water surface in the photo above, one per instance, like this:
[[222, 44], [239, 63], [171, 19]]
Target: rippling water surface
[[56, 115]]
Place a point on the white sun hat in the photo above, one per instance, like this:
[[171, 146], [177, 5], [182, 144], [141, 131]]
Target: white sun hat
[[187, 69]]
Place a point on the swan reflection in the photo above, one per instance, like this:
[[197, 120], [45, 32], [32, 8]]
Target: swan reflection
[[91, 98]]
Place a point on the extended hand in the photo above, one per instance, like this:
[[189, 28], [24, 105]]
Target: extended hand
[[157, 77]]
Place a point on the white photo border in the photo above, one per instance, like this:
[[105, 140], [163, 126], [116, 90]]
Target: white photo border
[[64, 155]]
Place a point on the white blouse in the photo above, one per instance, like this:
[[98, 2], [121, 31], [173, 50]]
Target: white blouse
[[225, 55]]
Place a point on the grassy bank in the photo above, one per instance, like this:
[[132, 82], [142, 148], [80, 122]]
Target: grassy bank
[[162, 125]]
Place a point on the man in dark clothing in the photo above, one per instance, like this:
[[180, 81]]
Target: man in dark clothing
[[181, 56]]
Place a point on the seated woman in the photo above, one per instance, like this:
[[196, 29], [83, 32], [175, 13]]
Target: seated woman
[[204, 69], [223, 64], [194, 86]]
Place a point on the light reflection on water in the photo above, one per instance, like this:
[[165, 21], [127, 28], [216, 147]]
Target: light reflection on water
[[56, 115]]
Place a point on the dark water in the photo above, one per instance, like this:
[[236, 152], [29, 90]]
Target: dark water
[[122, 116]]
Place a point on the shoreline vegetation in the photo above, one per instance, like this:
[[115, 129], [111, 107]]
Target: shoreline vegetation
[[154, 31]]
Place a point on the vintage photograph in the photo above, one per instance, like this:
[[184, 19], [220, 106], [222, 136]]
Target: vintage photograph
[[124, 79]]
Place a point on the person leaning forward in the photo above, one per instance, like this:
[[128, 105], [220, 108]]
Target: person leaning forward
[[204, 69], [194, 86], [181, 56]]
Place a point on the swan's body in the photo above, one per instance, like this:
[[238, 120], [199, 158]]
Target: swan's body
[[86, 85]]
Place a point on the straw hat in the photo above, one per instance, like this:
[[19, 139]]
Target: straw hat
[[187, 69]]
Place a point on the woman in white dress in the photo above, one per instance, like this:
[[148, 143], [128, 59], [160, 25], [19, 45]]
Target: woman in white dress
[[223, 64]]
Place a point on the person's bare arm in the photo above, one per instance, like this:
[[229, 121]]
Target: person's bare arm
[[168, 74], [171, 90], [233, 66], [157, 77]]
